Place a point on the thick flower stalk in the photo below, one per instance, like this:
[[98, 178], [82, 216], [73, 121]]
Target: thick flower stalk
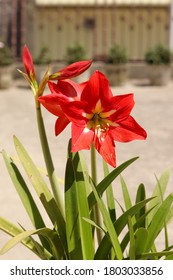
[[97, 116]]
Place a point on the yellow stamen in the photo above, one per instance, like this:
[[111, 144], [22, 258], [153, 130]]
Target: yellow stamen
[[99, 120]]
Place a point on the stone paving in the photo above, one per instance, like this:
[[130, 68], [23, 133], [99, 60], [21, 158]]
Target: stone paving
[[153, 110]]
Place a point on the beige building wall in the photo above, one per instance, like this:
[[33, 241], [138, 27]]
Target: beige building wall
[[136, 28]]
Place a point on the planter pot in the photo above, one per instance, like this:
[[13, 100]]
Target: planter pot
[[6, 76], [159, 74], [116, 74]]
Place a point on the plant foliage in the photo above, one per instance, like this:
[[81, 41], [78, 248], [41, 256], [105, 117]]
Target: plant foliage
[[117, 55], [158, 55]]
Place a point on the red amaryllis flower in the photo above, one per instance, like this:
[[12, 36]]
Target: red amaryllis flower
[[28, 64], [63, 91], [101, 118], [71, 71]]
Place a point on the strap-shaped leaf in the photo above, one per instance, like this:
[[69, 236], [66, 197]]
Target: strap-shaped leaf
[[141, 236], [157, 222], [103, 185], [167, 254], [50, 235], [72, 214], [81, 187], [13, 231], [108, 224], [140, 196], [126, 196], [120, 223], [42, 190], [158, 193], [109, 195], [25, 196], [136, 226], [132, 239], [23, 191]]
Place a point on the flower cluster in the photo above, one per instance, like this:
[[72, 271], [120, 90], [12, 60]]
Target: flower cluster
[[96, 115]]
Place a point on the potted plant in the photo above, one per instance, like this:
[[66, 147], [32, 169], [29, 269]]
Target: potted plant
[[6, 66], [158, 60], [116, 65], [41, 62], [73, 54]]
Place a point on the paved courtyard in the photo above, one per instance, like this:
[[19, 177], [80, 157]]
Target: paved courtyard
[[153, 110]]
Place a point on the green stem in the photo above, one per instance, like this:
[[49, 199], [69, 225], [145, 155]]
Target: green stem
[[93, 165], [48, 159], [97, 215]]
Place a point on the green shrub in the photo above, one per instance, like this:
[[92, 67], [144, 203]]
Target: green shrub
[[158, 55], [43, 57], [117, 55], [75, 53], [6, 56]]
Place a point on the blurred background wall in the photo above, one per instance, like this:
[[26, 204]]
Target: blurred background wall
[[96, 25]]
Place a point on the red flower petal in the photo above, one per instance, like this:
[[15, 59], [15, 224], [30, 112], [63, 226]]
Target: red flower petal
[[75, 111], [90, 93], [106, 148], [105, 91], [67, 87], [82, 138], [61, 124], [123, 104], [128, 130], [72, 70], [52, 103], [96, 89]]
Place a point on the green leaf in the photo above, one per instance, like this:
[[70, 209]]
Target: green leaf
[[109, 195], [72, 214], [120, 223], [103, 249], [25, 195], [159, 189], [140, 196], [108, 224], [141, 236], [42, 190], [126, 195], [136, 226], [81, 186], [170, 216], [169, 257], [94, 224], [102, 186], [132, 240], [156, 254], [157, 222], [13, 231], [51, 236]]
